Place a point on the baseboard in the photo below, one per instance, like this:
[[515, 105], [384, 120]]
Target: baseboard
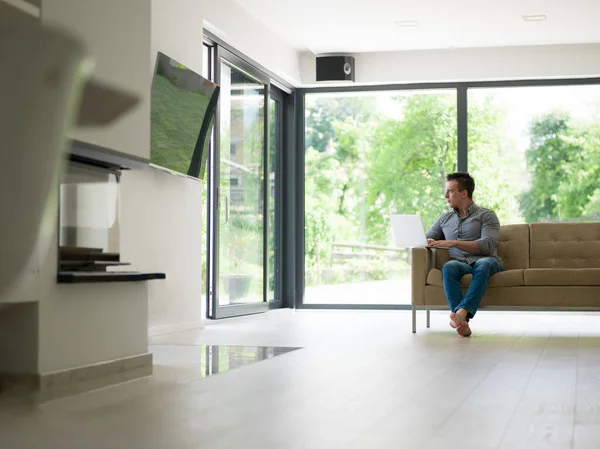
[[46, 387], [176, 327]]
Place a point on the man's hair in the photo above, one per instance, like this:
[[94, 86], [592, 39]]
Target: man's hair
[[464, 180]]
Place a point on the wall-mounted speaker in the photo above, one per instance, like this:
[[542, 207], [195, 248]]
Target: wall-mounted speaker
[[335, 68]]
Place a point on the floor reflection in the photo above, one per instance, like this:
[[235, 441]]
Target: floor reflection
[[218, 358]]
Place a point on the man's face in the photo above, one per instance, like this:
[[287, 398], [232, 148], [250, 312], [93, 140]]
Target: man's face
[[454, 196]]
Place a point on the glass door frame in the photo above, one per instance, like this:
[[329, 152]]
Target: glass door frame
[[214, 310], [278, 96]]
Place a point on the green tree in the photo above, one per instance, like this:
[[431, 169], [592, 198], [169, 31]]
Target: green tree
[[552, 148], [350, 151], [320, 173], [337, 130], [408, 162], [592, 162], [323, 112], [577, 191], [494, 161]]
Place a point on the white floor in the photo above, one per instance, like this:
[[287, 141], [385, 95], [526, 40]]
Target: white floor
[[363, 380]]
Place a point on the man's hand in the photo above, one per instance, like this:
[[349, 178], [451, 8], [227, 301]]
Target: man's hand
[[442, 243], [469, 246]]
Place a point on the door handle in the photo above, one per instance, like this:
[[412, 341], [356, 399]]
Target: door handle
[[226, 209]]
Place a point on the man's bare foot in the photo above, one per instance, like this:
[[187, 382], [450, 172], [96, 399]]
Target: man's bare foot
[[464, 330], [457, 318]]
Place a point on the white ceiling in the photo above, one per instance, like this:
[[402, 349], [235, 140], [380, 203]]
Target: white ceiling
[[328, 26]]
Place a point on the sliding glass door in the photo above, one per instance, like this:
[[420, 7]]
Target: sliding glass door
[[238, 166]]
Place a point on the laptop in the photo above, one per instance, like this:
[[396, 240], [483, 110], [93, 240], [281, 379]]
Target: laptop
[[408, 230]]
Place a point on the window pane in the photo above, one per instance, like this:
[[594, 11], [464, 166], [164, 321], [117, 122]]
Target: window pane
[[535, 152], [242, 135], [368, 156], [274, 145]]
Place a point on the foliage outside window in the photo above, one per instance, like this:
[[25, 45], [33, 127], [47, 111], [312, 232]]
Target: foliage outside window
[[533, 151], [547, 144]]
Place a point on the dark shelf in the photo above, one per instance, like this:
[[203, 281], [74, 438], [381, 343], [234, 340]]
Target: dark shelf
[[86, 254], [79, 277], [105, 157], [92, 267]]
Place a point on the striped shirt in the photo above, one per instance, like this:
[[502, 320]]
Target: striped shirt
[[480, 225]]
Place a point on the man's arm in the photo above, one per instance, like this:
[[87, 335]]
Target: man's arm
[[470, 247], [490, 233], [435, 231]]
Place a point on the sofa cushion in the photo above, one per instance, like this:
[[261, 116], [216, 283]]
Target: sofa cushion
[[441, 257], [564, 245], [513, 246], [562, 276], [532, 297], [509, 278]]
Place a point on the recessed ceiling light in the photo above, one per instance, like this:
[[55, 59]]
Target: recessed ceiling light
[[407, 23], [535, 18]]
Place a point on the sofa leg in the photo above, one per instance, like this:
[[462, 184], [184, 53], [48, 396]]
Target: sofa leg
[[428, 319], [414, 320]]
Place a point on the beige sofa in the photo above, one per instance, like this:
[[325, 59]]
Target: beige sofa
[[547, 266]]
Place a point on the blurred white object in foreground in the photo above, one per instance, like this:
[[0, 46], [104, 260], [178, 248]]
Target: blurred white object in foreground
[[42, 73]]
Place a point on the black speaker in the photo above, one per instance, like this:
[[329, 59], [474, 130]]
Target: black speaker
[[335, 68]]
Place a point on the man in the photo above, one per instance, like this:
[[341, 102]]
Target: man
[[471, 234]]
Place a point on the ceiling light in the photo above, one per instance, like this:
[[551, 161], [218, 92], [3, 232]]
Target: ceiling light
[[407, 23], [535, 18]]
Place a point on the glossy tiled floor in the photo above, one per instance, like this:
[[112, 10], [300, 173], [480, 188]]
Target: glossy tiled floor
[[362, 380], [218, 359]]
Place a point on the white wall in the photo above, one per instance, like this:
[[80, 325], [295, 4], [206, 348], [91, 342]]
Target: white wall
[[234, 25], [161, 226], [161, 231], [471, 64], [177, 31], [81, 324], [178, 26], [117, 34]]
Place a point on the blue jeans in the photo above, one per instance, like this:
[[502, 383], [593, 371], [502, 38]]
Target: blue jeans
[[481, 270]]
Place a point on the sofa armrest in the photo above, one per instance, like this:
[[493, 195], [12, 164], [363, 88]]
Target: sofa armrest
[[422, 261]]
